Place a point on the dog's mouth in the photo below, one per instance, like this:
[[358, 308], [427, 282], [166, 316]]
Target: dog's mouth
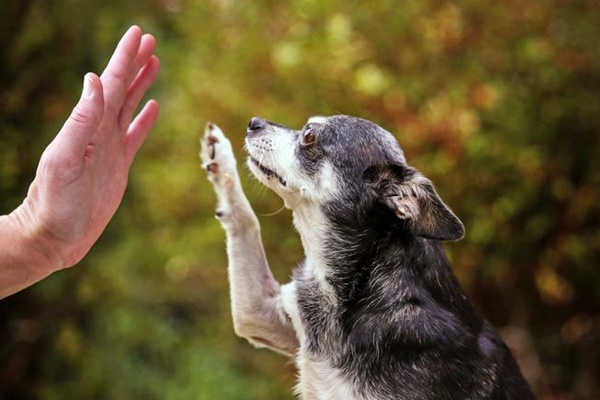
[[269, 173]]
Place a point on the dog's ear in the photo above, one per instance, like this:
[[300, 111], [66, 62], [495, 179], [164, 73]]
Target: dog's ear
[[413, 199]]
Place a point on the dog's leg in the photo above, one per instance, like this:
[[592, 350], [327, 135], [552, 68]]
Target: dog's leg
[[256, 301]]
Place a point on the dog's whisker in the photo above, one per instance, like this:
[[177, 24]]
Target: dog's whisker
[[273, 213]]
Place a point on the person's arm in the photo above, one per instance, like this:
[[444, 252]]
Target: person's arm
[[82, 174]]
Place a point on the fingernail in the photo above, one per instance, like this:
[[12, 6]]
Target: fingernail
[[88, 86]]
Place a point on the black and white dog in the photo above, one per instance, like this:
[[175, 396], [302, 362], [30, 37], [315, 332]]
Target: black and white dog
[[374, 311]]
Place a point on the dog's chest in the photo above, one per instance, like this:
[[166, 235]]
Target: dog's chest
[[318, 377], [319, 380]]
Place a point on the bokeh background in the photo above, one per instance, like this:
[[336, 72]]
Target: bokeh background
[[496, 101]]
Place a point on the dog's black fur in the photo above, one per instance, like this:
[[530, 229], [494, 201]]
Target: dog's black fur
[[408, 330]]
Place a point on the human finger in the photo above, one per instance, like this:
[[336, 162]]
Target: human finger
[[139, 128], [120, 69], [138, 88], [145, 52]]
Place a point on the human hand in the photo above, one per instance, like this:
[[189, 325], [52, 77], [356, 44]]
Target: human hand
[[82, 175]]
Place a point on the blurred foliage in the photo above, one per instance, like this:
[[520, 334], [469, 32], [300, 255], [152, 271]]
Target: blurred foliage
[[497, 102]]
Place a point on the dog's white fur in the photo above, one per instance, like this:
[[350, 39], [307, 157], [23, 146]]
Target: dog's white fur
[[264, 312]]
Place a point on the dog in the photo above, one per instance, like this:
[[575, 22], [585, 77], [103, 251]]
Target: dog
[[374, 310]]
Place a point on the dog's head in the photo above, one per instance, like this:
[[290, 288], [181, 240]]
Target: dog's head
[[350, 164]]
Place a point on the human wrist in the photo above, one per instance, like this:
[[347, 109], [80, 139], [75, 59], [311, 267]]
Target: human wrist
[[36, 248], [19, 267]]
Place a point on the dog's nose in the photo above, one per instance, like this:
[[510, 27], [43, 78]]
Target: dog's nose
[[256, 124]]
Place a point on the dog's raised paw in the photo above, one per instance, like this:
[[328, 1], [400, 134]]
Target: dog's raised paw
[[217, 156]]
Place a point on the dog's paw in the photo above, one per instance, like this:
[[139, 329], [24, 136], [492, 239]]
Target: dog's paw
[[233, 209], [217, 157]]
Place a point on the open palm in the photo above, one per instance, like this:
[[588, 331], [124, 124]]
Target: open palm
[[83, 173]]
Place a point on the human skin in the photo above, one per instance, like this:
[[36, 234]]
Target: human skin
[[83, 173]]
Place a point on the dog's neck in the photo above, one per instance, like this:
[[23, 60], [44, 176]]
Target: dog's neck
[[314, 229], [341, 253], [333, 255]]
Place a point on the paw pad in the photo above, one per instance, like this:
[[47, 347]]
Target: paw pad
[[212, 167]]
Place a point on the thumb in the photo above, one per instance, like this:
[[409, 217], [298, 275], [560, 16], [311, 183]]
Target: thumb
[[85, 117]]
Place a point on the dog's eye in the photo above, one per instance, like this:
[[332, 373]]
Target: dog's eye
[[309, 136]]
